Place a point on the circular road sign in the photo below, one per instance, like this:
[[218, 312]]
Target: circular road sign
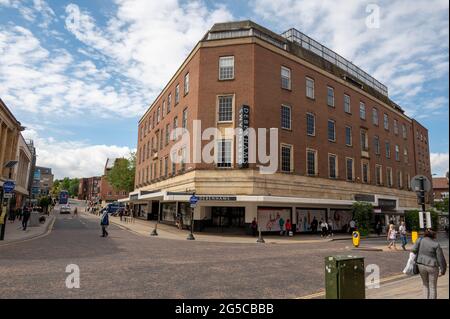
[[8, 186], [416, 180]]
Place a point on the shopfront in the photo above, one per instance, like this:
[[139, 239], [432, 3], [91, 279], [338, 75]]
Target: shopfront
[[306, 217], [269, 218], [173, 211], [228, 217]]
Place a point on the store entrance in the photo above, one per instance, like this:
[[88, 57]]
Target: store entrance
[[228, 218]]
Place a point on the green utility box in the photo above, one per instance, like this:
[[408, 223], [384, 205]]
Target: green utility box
[[345, 277]]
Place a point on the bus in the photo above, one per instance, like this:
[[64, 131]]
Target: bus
[[63, 197]]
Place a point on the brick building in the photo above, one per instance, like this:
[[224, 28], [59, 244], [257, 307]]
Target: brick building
[[340, 137], [98, 189], [440, 188]]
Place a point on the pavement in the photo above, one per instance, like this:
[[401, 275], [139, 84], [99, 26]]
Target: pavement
[[14, 232], [144, 228]]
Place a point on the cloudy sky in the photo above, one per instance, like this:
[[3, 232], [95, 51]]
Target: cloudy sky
[[79, 74]]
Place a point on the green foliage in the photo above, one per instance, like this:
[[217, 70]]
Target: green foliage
[[412, 219], [442, 205], [121, 176], [45, 201], [68, 184], [362, 214]]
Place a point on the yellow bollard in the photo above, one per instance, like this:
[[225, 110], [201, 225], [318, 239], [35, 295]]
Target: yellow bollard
[[356, 238], [414, 236]]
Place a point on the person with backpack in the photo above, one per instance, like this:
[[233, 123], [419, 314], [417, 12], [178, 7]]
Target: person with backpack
[[104, 222], [430, 262]]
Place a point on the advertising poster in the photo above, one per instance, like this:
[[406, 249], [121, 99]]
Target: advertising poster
[[340, 219], [269, 218], [306, 216]]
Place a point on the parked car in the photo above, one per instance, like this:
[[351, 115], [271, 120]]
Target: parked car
[[64, 209]]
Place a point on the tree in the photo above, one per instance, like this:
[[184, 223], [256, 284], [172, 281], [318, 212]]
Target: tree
[[56, 188], [362, 214], [121, 176], [442, 205], [44, 202], [412, 220], [73, 188]]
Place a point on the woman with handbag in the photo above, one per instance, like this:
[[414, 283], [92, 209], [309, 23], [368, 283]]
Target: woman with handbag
[[430, 262]]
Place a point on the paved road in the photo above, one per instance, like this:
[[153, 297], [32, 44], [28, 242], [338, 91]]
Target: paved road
[[126, 265]]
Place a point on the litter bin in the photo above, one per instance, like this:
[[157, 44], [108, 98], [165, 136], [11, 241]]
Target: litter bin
[[345, 277]]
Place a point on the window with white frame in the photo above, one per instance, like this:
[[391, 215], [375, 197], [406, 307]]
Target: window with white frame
[[349, 169], [332, 166], [225, 112], [169, 102], [347, 108], [183, 159], [395, 127], [389, 177], [226, 68], [405, 155], [378, 174], [404, 131], [158, 114], [163, 108], [285, 78], [397, 153], [362, 110], [376, 142], [177, 94], [331, 131], [286, 117], [310, 124], [375, 116], [174, 164], [161, 136], [286, 158], [408, 181], [224, 153], [186, 83], [386, 121], [311, 162], [175, 126], [388, 149], [167, 134], [330, 96], [364, 141], [399, 179], [184, 119], [365, 172], [166, 166], [348, 136], [310, 88]]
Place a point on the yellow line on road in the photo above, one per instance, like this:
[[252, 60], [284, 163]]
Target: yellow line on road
[[383, 280]]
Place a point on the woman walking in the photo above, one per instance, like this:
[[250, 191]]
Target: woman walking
[[430, 261], [392, 236]]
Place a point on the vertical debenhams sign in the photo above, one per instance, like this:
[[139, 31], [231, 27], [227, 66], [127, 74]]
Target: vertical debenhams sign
[[242, 137]]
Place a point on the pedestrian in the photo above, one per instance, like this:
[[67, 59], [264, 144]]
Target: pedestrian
[[352, 226], [378, 228], [392, 236], [281, 223], [324, 228], [403, 234], [314, 225], [121, 213], [288, 227], [26, 216], [104, 222], [430, 261], [12, 216], [254, 227], [330, 228]]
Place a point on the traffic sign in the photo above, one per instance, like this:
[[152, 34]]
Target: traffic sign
[[8, 186], [7, 195], [416, 180], [193, 200]]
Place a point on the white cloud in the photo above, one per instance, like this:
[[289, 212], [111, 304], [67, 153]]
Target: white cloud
[[439, 163], [32, 11], [409, 50], [73, 158]]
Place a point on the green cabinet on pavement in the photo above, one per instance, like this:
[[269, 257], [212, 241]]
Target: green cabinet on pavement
[[345, 277]]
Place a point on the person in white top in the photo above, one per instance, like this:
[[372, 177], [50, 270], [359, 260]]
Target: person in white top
[[391, 236], [352, 225]]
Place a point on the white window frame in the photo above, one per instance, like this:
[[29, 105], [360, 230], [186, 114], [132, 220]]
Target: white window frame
[[363, 163], [349, 111], [186, 83], [330, 102], [225, 68], [353, 169], [334, 130], [219, 152], [362, 110], [316, 162], [379, 168], [284, 106], [287, 77], [351, 135], [291, 157], [336, 168], [314, 121], [389, 177], [310, 89], [218, 108], [375, 117]]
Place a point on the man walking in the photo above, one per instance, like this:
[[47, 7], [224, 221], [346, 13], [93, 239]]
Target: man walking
[[403, 234], [26, 217], [104, 222]]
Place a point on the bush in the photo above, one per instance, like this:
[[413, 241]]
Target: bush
[[412, 220], [362, 214]]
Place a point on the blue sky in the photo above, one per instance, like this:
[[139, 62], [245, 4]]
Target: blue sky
[[80, 85]]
